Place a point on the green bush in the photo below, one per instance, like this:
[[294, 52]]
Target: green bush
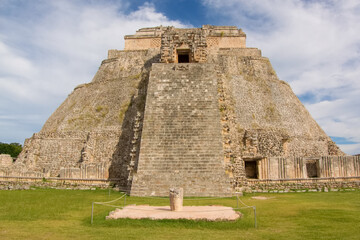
[[13, 149]]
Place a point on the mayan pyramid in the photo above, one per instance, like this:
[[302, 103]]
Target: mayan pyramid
[[192, 108]]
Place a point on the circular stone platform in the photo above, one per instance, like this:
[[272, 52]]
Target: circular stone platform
[[209, 213]]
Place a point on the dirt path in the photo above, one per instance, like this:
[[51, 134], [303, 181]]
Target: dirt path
[[209, 213]]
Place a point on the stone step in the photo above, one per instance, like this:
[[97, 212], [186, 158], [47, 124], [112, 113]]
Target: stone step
[[181, 141]]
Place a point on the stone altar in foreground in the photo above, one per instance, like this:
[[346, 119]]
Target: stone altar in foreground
[[191, 108]]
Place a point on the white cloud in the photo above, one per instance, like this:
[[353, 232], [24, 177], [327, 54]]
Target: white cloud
[[49, 47], [315, 46], [11, 62], [351, 148]]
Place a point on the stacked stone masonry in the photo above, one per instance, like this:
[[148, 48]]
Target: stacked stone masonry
[[192, 108], [181, 143], [216, 37], [6, 160]]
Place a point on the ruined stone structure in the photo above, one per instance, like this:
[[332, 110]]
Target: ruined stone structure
[[186, 108], [6, 160]]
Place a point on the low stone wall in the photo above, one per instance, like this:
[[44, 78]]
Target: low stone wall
[[301, 185], [250, 186], [24, 183]]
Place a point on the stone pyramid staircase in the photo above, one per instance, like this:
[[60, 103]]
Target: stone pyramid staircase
[[181, 143]]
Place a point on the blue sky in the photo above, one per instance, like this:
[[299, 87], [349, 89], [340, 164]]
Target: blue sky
[[47, 47]]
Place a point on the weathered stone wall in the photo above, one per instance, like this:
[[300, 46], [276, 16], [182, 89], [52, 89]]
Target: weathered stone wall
[[224, 37], [270, 118], [26, 183], [90, 134], [340, 166], [225, 42], [87, 171], [302, 185], [181, 143], [260, 115], [215, 37], [223, 31], [46, 153], [142, 43], [101, 104], [173, 40], [308, 167], [213, 56], [6, 160], [278, 174], [145, 38]]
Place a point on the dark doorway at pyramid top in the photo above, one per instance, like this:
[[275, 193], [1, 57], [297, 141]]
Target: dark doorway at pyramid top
[[183, 56]]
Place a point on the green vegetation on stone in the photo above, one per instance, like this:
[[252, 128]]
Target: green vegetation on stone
[[222, 108], [123, 110], [271, 113], [12, 149], [102, 110], [136, 76], [99, 108], [65, 214]]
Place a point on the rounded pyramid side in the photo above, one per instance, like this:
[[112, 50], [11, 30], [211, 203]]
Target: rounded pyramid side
[[269, 118], [89, 135]]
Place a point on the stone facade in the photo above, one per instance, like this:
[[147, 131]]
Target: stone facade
[[191, 108], [145, 38], [214, 37], [6, 160], [181, 139], [307, 167], [188, 43]]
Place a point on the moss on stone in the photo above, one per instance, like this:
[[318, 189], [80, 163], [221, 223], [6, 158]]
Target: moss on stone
[[123, 110]]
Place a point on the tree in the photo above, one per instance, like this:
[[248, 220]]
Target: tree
[[13, 149]]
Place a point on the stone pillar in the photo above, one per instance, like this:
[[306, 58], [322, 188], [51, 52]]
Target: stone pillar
[[176, 199]]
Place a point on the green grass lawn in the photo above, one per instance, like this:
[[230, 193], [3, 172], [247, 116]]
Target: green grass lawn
[[65, 214]]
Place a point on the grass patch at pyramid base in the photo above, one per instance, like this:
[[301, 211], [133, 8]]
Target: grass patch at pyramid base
[[65, 214]]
